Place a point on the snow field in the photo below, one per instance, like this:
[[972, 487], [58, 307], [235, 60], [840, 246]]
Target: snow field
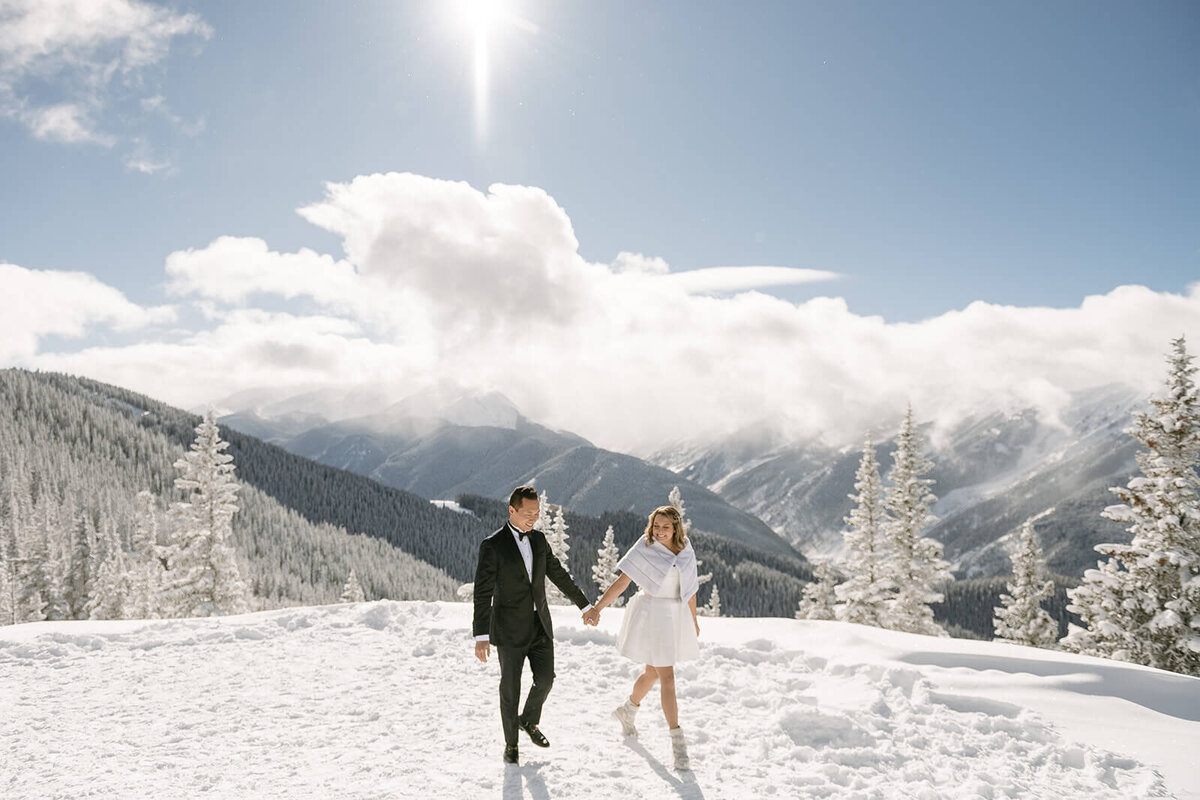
[[385, 700]]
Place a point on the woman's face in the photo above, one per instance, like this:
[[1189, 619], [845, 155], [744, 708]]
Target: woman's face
[[663, 529]]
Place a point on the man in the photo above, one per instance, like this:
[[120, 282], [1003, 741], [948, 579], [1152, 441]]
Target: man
[[511, 613]]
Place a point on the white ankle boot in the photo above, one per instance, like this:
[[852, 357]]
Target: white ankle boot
[[679, 749], [624, 715]]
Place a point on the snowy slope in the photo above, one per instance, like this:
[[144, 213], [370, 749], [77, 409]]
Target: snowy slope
[[383, 700]]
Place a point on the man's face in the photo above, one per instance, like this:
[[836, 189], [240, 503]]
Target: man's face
[[524, 517]]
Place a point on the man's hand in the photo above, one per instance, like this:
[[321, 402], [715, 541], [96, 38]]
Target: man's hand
[[591, 616], [483, 650]]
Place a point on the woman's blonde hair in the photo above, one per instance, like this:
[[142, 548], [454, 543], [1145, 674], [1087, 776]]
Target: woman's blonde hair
[[679, 538]]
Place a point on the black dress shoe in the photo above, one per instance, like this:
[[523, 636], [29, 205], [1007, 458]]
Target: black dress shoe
[[510, 755], [536, 735]]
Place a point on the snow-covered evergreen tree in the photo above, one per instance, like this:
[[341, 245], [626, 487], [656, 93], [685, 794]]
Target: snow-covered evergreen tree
[[145, 569], [1143, 603], [545, 514], [80, 571], [111, 587], [46, 566], [202, 576], [353, 592], [557, 537], [1020, 617], [819, 597], [865, 595], [675, 498], [916, 561], [605, 571], [13, 563], [713, 607], [8, 595]]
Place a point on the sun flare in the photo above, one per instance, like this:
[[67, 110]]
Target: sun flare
[[482, 18]]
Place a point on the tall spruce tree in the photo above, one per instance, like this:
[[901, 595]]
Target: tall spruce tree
[[819, 597], [675, 498], [1020, 618], [864, 596], [352, 592], [557, 537], [916, 561], [605, 571], [1143, 603], [713, 607], [112, 580], [142, 562], [202, 576], [80, 570], [8, 595]]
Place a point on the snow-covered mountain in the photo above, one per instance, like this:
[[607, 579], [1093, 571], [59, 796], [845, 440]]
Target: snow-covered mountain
[[385, 699], [440, 445], [991, 473]]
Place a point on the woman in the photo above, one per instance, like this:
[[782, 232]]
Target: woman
[[660, 625]]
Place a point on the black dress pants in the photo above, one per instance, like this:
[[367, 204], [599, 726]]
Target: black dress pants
[[540, 653]]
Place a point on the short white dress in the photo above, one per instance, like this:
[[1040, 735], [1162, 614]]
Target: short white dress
[[658, 629]]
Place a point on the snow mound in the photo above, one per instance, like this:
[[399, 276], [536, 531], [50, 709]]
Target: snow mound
[[385, 699]]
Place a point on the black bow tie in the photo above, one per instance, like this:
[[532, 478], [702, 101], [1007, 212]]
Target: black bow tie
[[520, 533]]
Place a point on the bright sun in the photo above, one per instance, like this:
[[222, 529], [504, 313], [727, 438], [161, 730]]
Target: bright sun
[[482, 16]]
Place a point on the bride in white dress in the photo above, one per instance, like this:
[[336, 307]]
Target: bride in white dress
[[660, 625]]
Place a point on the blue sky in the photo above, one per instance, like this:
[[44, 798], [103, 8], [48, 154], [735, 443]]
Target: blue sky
[[931, 154]]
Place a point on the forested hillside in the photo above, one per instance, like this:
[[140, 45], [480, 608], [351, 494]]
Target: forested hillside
[[74, 456], [969, 609]]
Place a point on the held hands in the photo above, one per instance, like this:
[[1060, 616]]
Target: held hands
[[591, 616], [483, 650]]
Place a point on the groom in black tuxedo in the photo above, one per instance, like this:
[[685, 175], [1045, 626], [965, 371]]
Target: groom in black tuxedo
[[511, 613]]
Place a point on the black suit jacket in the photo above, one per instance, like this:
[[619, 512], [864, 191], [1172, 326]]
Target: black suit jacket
[[504, 595]]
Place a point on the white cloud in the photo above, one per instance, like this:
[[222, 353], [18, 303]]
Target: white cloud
[[738, 279], [440, 281], [43, 303], [62, 61], [64, 122]]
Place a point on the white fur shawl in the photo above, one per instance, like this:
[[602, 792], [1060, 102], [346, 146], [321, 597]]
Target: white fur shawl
[[648, 565]]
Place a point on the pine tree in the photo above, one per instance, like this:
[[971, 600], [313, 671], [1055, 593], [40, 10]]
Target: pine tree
[[112, 581], [556, 537], [8, 604], [1020, 618], [916, 562], [675, 498], [1143, 604], [12, 561], [605, 571], [48, 567], [42, 598], [865, 595], [819, 597], [713, 607], [202, 576], [144, 566], [352, 592], [80, 571], [545, 514]]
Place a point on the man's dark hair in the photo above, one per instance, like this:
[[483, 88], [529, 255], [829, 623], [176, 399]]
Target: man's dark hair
[[520, 495]]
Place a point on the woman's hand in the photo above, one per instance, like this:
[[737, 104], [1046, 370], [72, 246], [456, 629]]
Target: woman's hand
[[696, 622]]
